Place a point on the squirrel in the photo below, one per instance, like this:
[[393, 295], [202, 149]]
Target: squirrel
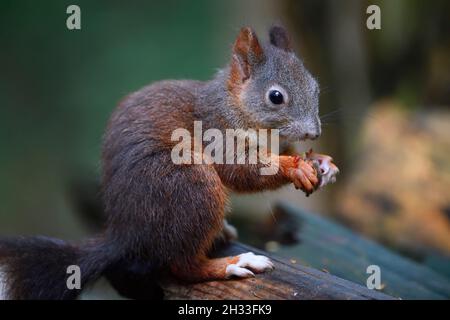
[[166, 217]]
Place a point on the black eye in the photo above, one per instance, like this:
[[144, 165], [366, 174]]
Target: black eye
[[276, 97]]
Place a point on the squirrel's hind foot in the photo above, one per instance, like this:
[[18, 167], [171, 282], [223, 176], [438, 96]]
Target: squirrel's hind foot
[[248, 263], [204, 269]]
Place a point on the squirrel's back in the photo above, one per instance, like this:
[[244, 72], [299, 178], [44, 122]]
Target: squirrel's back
[[143, 122], [138, 175], [153, 111]]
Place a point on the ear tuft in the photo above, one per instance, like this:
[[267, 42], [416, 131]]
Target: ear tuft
[[280, 38], [247, 52], [247, 46]]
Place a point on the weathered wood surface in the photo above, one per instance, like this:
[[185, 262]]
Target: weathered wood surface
[[289, 280], [326, 245]]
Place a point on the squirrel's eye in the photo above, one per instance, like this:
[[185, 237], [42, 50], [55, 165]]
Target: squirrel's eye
[[276, 97]]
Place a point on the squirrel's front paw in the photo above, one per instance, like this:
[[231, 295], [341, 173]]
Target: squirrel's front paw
[[327, 170], [248, 263], [304, 176]]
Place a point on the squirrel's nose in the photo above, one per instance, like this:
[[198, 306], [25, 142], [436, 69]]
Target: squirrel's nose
[[312, 135]]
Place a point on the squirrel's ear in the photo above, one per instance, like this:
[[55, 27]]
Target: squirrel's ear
[[247, 53], [280, 38]]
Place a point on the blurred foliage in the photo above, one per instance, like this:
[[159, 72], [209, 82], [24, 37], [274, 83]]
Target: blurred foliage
[[407, 59], [398, 192], [58, 87]]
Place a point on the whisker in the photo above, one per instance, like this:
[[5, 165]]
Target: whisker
[[325, 90], [342, 114], [331, 113]]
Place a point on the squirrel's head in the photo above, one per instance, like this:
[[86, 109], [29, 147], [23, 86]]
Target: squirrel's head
[[272, 87]]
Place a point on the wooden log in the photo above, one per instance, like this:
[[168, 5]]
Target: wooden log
[[289, 281], [327, 245]]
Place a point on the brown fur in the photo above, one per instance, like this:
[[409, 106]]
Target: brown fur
[[246, 52], [149, 200], [170, 214], [166, 216]]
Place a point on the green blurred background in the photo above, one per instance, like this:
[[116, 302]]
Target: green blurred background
[[58, 88]]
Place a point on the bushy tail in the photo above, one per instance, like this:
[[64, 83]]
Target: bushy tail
[[37, 267]]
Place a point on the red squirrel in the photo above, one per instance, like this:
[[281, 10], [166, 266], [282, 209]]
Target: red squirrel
[[164, 216]]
